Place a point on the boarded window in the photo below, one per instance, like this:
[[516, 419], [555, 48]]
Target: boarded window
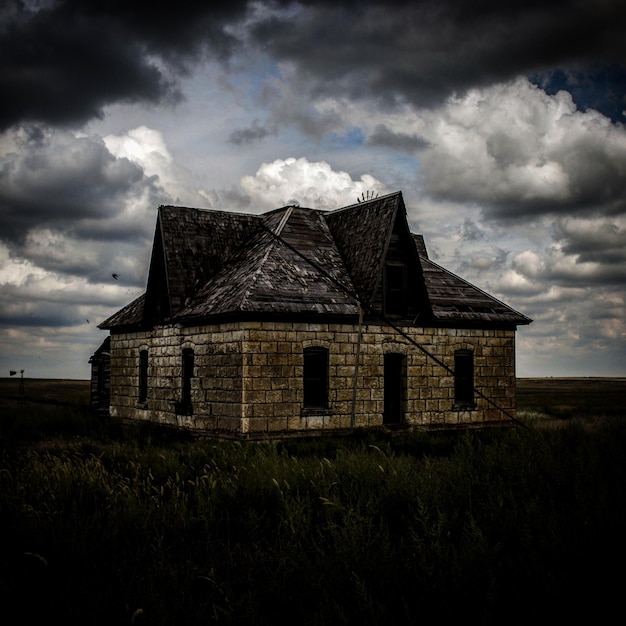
[[464, 378], [188, 366], [315, 378], [143, 375]]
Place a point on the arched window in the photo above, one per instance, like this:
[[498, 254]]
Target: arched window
[[464, 378], [315, 378]]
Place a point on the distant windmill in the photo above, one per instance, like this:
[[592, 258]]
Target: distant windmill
[[13, 373]]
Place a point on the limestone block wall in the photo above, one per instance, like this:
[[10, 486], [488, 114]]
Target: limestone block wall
[[248, 376], [215, 387]]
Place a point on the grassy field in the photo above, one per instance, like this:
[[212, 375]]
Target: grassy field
[[105, 523], [47, 390], [572, 397]]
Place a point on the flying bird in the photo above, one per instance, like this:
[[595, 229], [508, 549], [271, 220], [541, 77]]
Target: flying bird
[[116, 276]]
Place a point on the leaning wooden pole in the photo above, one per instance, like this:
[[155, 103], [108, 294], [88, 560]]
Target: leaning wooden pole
[[356, 368]]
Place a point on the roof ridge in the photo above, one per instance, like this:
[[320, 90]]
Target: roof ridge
[[257, 272], [210, 210], [360, 203], [284, 220], [270, 248], [323, 274]]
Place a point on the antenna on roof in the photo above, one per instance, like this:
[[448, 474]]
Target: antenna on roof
[[367, 195]]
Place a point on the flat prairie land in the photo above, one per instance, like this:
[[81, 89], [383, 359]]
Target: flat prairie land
[[556, 397], [44, 390], [573, 397]]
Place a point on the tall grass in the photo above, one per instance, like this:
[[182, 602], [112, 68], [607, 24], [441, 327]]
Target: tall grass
[[131, 526]]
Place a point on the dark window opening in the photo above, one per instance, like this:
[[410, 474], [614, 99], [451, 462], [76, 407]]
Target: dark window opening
[[188, 366], [143, 376], [315, 378], [395, 290], [395, 387], [464, 378]]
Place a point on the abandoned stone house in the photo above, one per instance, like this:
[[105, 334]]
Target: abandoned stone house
[[301, 322]]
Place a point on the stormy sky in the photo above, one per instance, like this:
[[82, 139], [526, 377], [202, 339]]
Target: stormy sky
[[503, 124]]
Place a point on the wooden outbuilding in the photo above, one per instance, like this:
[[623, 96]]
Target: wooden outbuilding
[[301, 321], [100, 362]]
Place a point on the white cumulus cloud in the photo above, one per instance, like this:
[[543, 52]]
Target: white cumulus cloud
[[311, 184]]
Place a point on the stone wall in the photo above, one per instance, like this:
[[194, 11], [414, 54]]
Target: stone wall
[[248, 376]]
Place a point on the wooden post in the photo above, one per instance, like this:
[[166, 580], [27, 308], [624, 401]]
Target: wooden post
[[356, 368]]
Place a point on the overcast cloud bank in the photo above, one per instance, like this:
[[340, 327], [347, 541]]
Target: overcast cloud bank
[[502, 125]]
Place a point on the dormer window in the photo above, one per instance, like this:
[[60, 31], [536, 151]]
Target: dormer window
[[395, 286]]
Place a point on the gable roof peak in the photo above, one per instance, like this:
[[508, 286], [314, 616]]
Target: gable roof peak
[[370, 201], [362, 233]]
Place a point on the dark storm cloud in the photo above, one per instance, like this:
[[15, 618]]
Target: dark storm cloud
[[593, 241], [60, 181], [63, 63], [422, 52], [47, 302], [254, 132], [596, 181], [384, 137], [42, 317], [35, 313]]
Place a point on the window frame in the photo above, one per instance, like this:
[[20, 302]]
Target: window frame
[[185, 406], [394, 389], [315, 378], [464, 379], [143, 377]]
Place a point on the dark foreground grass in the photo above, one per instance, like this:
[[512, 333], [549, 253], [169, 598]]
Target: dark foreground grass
[[110, 524]]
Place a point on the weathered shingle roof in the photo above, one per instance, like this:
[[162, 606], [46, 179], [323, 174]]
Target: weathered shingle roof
[[127, 317], [269, 274], [453, 299], [103, 350], [195, 244], [296, 261], [362, 234]]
